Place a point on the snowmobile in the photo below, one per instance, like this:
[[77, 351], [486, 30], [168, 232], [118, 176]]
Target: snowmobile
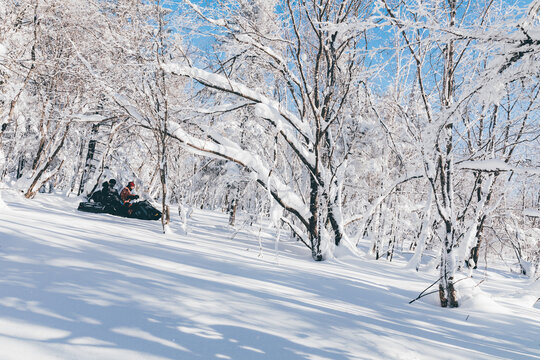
[[140, 210]]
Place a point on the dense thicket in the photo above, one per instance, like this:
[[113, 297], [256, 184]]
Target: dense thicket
[[412, 124]]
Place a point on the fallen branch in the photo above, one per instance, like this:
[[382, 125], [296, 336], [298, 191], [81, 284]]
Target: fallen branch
[[432, 292], [422, 293]]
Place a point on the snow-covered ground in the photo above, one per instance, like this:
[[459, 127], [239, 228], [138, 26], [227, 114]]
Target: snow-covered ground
[[93, 286]]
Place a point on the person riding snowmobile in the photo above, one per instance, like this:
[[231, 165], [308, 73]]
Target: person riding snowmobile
[[126, 196], [121, 205], [112, 200], [100, 195]]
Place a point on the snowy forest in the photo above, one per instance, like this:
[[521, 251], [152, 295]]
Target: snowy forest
[[414, 125]]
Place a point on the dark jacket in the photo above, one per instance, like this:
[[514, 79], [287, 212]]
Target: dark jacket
[[100, 196]]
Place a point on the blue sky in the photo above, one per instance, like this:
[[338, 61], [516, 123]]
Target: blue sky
[[204, 42]]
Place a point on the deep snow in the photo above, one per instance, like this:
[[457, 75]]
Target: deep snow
[[93, 286]]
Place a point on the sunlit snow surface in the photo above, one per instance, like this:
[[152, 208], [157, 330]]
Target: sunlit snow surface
[[93, 286]]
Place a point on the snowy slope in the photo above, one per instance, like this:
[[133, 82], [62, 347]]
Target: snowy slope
[[94, 286]]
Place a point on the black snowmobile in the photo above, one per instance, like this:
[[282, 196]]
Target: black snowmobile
[[140, 210]]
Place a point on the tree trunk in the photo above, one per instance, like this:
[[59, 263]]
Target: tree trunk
[[423, 233], [334, 214], [31, 192], [337, 227], [314, 220], [88, 167], [165, 215], [448, 269], [232, 211]]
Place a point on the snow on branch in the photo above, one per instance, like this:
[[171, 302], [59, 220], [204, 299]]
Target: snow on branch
[[197, 9], [266, 108], [531, 213], [283, 65], [373, 206], [229, 150], [221, 109], [490, 165], [223, 83], [125, 103], [92, 118], [495, 165]]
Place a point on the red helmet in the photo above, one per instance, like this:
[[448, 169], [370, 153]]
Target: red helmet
[[131, 184]]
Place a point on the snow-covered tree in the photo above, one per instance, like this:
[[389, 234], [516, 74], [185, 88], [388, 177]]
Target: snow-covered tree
[[458, 116], [299, 65]]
